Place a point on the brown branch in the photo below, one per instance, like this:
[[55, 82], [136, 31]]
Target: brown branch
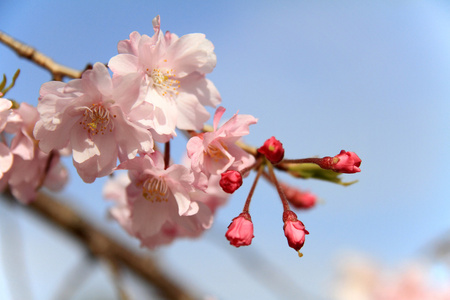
[[105, 247], [58, 71]]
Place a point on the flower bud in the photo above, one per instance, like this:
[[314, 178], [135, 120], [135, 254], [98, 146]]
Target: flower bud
[[230, 181], [298, 198], [273, 150], [348, 162], [294, 230], [344, 162], [240, 231]]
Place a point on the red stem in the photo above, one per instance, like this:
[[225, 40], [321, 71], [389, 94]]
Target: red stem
[[250, 194], [279, 189]]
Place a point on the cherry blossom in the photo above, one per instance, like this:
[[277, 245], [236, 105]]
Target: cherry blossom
[[216, 152], [348, 162], [95, 116], [297, 198], [294, 230], [273, 150], [157, 206], [344, 162], [6, 157], [171, 71], [240, 231], [230, 181], [31, 167], [5, 110]]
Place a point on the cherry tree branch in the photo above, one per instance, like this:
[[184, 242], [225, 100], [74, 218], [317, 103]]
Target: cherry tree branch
[[104, 247], [58, 71]]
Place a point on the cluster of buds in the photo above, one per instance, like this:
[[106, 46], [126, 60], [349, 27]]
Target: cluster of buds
[[271, 154]]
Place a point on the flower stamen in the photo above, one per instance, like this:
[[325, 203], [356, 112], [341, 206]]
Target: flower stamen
[[163, 80], [215, 152], [155, 189], [97, 119]]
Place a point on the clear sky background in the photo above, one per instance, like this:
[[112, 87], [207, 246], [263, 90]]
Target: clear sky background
[[321, 76]]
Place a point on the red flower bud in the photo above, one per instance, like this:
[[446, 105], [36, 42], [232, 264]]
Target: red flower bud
[[230, 181], [273, 150], [294, 230], [344, 162], [348, 162], [298, 198], [240, 231]]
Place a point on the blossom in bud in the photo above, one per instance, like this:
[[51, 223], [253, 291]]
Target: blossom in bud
[[273, 150], [348, 162], [231, 180], [299, 199], [294, 230], [240, 231], [344, 162]]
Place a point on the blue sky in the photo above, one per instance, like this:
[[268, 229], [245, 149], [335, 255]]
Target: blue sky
[[321, 76]]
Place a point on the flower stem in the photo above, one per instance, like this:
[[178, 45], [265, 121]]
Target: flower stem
[[252, 189], [313, 160], [279, 189], [166, 154]]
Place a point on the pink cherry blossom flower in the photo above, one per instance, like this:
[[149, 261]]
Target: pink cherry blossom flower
[[240, 231], [97, 117], [294, 230], [216, 152], [230, 181], [273, 150], [158, 206], [171, 72], [31, 167], [6, 157], [5, 110], [174, 227]]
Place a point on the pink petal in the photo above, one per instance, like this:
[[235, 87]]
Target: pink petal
[[123, 64], [217, 116], [192, 53], [193, 115], [205, 91]]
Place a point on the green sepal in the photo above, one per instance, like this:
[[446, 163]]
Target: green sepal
[[307, 171]]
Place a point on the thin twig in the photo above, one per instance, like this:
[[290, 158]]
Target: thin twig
[[58, 71]]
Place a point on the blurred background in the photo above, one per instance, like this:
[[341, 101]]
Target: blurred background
[[321, 76]]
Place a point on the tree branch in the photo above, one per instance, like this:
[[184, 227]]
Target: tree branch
[[58, 71], [105, 247]]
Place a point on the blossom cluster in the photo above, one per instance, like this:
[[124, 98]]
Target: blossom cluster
[[123, 116], [24, 168], [122, 121]]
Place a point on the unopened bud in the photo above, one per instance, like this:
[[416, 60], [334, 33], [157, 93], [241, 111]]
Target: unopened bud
[[240, 231], [344, 162], [294, 230], [298, 198], [230, 181], [273, 150]]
